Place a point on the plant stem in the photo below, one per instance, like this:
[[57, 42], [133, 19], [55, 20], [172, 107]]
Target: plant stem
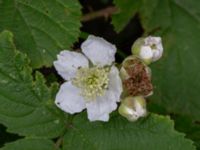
[[58, 143], [106, 12]]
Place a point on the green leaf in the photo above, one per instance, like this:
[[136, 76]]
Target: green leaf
[[41, 28], [191, 128], [30, 144], [26, 105], [151, 12], [176, 76], [126, 10], [153, 133]]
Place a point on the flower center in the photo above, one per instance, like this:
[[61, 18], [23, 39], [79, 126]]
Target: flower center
[[93, 82], [153, 46]]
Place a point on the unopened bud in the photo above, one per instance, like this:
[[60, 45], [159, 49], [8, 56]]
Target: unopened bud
[[136, 77], [149, 49], [133, 108]]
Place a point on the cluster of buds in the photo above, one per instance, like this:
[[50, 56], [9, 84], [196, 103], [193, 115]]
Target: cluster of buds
[[136, 77]]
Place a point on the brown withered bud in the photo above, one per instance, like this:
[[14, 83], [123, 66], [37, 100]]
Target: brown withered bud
[[136, 77]]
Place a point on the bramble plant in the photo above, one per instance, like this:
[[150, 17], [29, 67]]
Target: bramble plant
[[103, 75]]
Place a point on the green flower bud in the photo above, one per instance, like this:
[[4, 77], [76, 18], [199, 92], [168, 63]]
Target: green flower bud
[[133, 108]]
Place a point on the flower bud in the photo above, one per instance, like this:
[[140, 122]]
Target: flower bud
[[136, 77], [149, 49], [127, 63], [133, 108]]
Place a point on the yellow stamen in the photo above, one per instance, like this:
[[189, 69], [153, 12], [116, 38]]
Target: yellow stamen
[[92, 81]]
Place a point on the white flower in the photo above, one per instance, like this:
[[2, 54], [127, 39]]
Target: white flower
[[133, 108], [93, 81], [149, 49]]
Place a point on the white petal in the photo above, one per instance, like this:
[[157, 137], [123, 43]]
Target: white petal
[[69, 100], [133, 115], [115, 83], [104, 117], [104, 105], [140, 110], [157, 53], [146, 52], [101, 108], [68, 62], [99, 51], [150, 40]]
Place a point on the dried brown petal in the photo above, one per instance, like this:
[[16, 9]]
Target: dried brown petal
[[139, 81]]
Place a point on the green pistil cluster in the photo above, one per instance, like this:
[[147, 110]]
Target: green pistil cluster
[[93, 82]]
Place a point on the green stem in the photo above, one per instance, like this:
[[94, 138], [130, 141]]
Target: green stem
[[59, 141]]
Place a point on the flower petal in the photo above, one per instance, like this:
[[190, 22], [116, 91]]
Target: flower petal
[[99, 51], [140, 111], [104, 117], [101, 107], [69, 100], [104, 105], [115, 83], [157, 54], [68, 62], [146, 52], [157, 42]]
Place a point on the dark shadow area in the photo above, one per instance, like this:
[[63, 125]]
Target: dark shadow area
[[6, 137]]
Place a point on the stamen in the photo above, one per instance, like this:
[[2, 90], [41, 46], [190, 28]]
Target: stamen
[[92, 81]]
